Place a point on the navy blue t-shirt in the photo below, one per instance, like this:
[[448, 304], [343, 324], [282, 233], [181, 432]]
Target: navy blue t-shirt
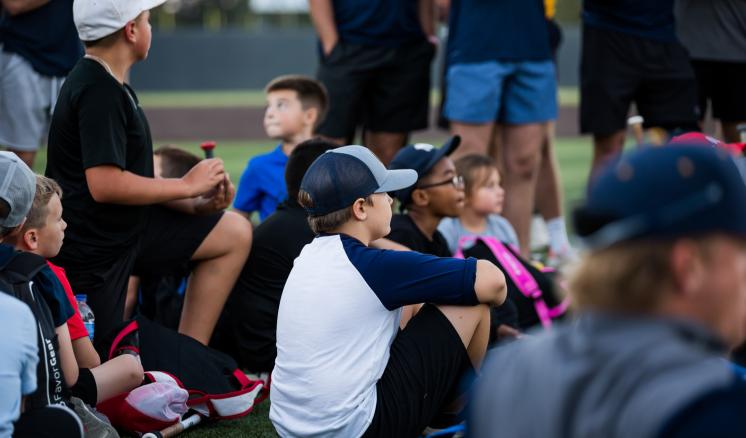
[[378, 22], [506, 30], [45, 37], [651, 19]]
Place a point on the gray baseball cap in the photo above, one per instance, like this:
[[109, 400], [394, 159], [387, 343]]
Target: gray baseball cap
[[17, 189], [340, 176]]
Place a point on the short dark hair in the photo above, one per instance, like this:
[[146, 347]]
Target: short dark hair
[[311, 92], [331, 221], [301, 159], [175, 162], [106, 41]]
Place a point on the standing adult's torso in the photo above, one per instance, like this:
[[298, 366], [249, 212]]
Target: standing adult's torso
[[505, 30], [378, 22], [649, 19], [46, 37], [97, 121]]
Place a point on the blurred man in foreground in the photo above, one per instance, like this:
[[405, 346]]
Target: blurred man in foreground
[[661, 298]]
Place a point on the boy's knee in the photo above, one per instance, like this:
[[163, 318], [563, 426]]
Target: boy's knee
[[134, 370], [237, 228]]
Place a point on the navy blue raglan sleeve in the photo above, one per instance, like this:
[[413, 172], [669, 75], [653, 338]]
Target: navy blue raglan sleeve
[[400, 278], [717, 414]]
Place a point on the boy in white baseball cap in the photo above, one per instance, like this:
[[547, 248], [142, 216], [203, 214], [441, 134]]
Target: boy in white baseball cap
[[101, 154]]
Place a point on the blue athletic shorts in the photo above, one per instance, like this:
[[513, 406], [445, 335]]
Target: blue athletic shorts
[[515, 92]]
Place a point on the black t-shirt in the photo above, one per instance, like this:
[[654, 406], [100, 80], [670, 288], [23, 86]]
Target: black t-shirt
[[97, 121], [249, 323], [406, 232]]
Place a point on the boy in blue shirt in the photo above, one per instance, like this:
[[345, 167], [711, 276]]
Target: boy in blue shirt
[[295, 106], [343, 367]]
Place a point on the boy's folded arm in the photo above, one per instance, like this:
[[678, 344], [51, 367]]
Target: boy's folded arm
[[400, 278], [67, 355], [114, 185], [85, 355], [489, 283]]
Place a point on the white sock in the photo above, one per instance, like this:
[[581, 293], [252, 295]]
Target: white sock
[[558, 241]]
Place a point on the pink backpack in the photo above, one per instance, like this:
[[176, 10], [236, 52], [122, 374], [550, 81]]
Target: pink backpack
[[521, 278]]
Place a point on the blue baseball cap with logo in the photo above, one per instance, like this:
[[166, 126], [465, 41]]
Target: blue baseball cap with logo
[[664, 192], [340, 176], [421, 157]]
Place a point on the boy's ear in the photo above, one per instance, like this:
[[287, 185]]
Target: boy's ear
[[420, 198], [358, 210], [688, 267], [311, 116], [129, 31], [30, 239]]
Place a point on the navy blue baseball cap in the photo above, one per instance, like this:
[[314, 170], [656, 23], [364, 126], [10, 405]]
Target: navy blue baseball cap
[[421, 157], [664, 192], [340, 176]]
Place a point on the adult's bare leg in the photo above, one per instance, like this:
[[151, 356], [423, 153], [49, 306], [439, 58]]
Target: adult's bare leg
[[521, 153], [26, 156], [475, 138], [385, 144], [605, 148]]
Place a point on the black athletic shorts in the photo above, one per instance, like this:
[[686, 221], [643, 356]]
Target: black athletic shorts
[[423, 376], [168, 242], [384, 89], [724, 84], [617, 69]]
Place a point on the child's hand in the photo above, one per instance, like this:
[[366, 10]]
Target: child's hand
[[203, 177], [218, 199]]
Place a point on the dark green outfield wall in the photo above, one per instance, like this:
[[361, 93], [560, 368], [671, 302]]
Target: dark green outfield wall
[[235, 59]]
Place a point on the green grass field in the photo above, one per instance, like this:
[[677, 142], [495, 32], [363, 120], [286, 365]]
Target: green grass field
[[573, 154], [574, 158], [568, 96]]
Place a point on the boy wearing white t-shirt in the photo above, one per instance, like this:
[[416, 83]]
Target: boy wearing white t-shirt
[[343, 366]]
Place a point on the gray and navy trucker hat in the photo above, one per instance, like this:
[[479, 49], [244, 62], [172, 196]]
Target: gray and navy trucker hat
[[340, 176], [17, 189]]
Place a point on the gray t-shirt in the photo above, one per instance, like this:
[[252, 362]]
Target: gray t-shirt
[[497, 227], [712, 30]]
